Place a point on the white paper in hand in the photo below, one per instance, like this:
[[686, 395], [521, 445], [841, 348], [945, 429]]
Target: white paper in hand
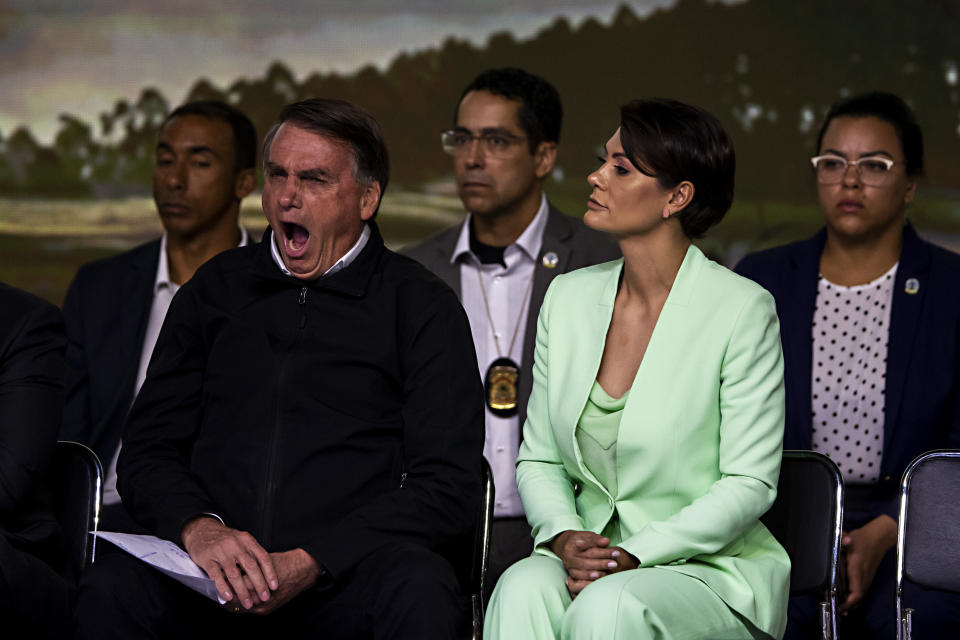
[[167, 557]]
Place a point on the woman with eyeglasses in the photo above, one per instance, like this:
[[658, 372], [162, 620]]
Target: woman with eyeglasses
[[870, 319], [653, 436]]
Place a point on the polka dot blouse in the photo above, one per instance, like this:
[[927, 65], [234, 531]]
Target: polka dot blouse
[[851, 327]]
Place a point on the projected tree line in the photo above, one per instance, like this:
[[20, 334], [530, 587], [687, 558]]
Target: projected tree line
[[768, 69]]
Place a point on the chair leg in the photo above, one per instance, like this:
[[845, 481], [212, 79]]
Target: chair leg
[[828, 629], [906, 624], [476, 600]]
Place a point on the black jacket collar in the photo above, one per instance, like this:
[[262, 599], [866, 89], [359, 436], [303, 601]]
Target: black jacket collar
[[351, 281]]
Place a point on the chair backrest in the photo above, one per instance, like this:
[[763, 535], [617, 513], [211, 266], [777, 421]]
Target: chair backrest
[[75, 479], [928, 538], [806, 518]]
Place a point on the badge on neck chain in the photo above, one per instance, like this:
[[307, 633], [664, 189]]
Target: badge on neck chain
[[500, 385]]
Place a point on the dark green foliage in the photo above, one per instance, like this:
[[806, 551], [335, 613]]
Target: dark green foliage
[[760, 66]]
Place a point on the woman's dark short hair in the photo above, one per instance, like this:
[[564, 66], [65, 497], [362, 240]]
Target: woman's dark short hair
[[244, 133], [891, 109], [672, 142], [540, 114], [344, 121]]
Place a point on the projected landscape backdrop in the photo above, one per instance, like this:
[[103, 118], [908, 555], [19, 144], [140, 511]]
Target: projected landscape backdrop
[[768, 69]]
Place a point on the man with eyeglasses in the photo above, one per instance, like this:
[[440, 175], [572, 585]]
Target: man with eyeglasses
[[501, 259]]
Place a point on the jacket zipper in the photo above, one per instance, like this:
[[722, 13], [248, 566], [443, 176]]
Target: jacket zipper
[[271, 480]]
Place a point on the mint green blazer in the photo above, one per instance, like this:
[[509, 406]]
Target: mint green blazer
[[699, 448]]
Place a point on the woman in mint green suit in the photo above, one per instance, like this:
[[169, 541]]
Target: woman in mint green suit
[[654, 431]]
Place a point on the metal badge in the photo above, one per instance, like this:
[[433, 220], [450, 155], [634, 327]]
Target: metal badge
[[501, 386], [911, 286], [550, 260]]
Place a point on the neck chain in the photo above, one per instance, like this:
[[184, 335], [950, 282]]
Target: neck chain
[[516, 328], [503, 375]]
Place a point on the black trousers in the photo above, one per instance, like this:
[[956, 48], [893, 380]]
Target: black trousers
[[401, 591], [35, 601], [937, 613]]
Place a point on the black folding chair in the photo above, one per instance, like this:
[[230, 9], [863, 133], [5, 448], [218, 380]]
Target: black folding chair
[[806, 518], [75, 480], [928, 535]]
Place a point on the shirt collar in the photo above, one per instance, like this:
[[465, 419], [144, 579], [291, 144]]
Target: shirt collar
[[163, 266], [529, 241], [339, 265]]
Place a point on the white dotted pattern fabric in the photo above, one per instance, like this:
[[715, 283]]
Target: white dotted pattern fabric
[[851, 327]]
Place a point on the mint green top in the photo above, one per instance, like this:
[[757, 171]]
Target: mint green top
[[596, 434]]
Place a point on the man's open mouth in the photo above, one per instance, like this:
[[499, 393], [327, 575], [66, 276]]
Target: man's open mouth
[[296, 238]]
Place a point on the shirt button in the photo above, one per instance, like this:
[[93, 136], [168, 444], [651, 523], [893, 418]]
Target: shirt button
[[496, 335], [499, 449], [497, 278]]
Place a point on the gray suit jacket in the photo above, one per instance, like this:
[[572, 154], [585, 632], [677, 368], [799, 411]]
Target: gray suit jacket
[[575, 245]]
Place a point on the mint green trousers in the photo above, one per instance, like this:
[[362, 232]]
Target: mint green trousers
[[531, 602]]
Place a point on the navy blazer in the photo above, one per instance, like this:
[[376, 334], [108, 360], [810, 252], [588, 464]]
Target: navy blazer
[[923, 353], [106, 312]]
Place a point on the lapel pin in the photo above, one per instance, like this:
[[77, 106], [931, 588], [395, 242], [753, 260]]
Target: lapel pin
[[911, 286], [550, 260]]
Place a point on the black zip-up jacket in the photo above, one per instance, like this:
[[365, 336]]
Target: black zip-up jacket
[[337, 415]]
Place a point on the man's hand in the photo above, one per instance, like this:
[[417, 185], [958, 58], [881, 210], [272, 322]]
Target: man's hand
[[233, 559], [865, 548], [296, 571], [585, 556]]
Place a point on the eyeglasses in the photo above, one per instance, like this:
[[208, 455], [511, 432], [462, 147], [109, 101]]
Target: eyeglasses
[[872, 171], [459, 141]]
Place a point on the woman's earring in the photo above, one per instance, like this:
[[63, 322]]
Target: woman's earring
[[666, 213]]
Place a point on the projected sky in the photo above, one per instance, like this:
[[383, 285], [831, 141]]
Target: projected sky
[[57, 56]]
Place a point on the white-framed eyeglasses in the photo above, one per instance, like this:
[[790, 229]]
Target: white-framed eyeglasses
[[458, 141], [873, 170]]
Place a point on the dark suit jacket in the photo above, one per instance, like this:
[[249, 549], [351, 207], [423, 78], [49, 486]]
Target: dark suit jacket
[[31, 403], [923, 357], [576, 246], [106, 311]]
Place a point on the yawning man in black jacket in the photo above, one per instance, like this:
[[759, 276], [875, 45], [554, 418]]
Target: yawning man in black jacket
[[311, 425]]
